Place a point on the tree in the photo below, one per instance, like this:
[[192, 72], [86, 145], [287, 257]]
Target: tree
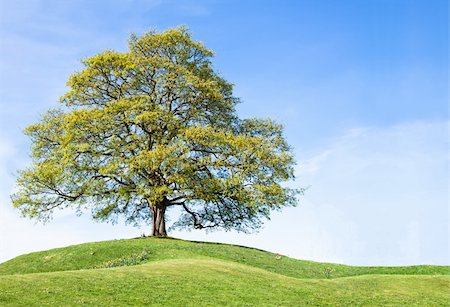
[[151, 129]]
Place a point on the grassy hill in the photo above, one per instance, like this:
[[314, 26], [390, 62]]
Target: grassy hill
[[169, 272]]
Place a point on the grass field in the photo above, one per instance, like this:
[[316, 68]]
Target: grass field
[[169, 272]]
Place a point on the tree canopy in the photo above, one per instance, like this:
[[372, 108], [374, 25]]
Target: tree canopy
[[150, 129]]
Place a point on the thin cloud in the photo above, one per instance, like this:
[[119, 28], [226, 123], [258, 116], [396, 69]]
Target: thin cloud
[[389, 185]]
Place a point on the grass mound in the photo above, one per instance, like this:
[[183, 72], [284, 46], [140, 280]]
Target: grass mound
[[168, 272], [90, 255]]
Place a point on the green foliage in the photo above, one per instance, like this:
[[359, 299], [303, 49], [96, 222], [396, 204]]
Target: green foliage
[[127, 260], [182, 273], [328, 272], [156, 127]]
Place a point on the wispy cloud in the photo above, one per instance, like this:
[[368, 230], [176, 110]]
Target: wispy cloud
[[389, 186], [193, 8], [378, 196]]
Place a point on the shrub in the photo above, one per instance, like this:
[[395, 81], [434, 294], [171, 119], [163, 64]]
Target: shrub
[[133, 259]]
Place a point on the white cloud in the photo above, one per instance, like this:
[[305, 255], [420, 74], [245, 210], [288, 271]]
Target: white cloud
[[378, 196], [193, 8], [313, 164], [381, 194]]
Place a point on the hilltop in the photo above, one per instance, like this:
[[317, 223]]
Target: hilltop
[[172, 272]]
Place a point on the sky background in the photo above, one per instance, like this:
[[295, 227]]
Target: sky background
[[360, 86]]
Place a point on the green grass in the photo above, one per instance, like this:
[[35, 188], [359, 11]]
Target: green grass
[[169, 272]]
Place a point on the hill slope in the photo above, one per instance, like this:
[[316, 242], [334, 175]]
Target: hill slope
[[182, 273]]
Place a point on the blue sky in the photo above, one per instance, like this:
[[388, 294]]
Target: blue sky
[[360, 86]]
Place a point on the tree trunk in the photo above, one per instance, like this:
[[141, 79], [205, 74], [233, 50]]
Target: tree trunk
[[158, 221]]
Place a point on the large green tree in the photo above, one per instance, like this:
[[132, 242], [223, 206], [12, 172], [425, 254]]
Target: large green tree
[[153, 128]]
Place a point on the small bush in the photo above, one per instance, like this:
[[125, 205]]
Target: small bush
[[128, 260], [328, 272]]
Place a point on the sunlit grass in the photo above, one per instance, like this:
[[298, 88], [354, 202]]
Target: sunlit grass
[[183, 273]]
